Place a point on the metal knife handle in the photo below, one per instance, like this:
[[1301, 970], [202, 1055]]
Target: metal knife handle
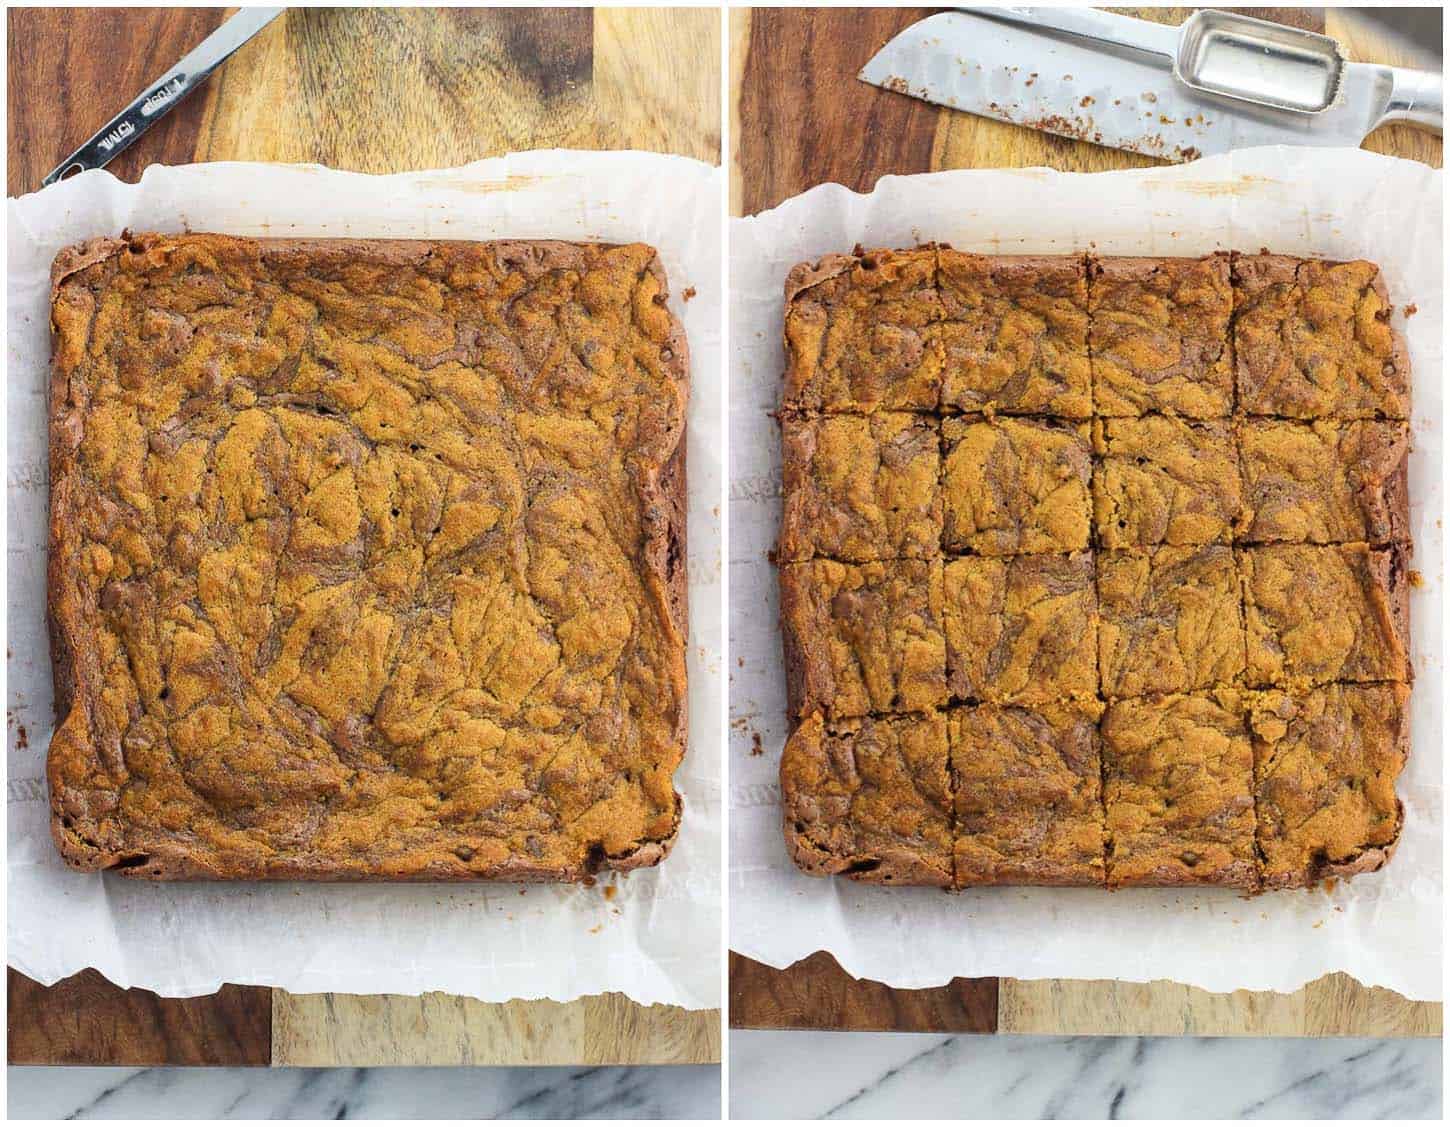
[[1417, 97], [156, 100], [1089, 23]]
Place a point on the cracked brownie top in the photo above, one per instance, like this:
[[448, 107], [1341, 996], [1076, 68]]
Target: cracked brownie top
[[870, 799], [1027, 794], [1015, 486], [1179, 792], [1312, 339], [1159, 336], [1014, 335], [1325, 764], [1167, 496], [366, 558]]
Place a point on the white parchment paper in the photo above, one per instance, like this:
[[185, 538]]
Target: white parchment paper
[[657, 937], [1384, 928]]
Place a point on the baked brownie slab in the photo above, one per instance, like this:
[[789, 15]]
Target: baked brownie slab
[[1178, 778], [1161, 480], [1312, 339], [863, 638], [1014, 337], [1021, 630], [1015, 486], [1319, 614], [1169, 620], [870, 799], [1027, 794], [366, 558], [1159, 336], [861, 487], [1325, 482], [856, 332], [1325, 764]]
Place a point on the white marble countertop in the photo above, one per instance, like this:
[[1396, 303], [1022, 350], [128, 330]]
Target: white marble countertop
[[925, 1076], [682, 1092], [807, 1075]]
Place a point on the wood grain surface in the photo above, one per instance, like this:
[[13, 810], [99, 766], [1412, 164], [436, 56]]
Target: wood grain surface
[[85, 1019], [816, 993], [369, 89], [374, 90], [799, 117], [442, 1029]]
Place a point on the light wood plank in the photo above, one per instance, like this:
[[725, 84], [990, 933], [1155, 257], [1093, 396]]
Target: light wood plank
[[656, 81], [619, 1031], [352, 1030], [1335, 1005], [739, 50]]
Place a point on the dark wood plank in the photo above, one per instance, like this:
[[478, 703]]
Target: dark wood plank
[[85, 1019], [72, 69], [816, 993], [808, 121]]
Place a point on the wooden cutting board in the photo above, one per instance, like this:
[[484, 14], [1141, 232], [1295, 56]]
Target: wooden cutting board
[[799, 117], [372, 90]]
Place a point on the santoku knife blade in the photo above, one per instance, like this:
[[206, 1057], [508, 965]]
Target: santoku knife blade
[[1004, 66]]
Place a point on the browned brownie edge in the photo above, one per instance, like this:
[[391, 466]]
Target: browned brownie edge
[[1258, 270], [901, 867], [1371, 858], [663, 499]]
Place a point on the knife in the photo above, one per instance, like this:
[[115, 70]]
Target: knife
[[1221, 82], [157, 100]]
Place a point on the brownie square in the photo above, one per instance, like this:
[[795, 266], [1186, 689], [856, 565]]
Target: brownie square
[[1178, 777], [1159, 336], [870, 799], [1325, 482], [861, 487], [1169, 620], [1312, 339], [1325, 764], [1319, 614], [856, 333], [1014, 337], [1027, 794], [326, 602], [1161, 480], [863, 638], [1021, 630], [1015, 486]]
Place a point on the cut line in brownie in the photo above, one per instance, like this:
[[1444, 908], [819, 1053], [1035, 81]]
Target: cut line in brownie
[[1173, 488], [1325, 482], [1015, 486], [1027, 794], [861, 487], [863, 638], [870, 799], [366, 558], [1158, 332], [1325, 765]]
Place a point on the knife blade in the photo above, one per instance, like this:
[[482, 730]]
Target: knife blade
[[161, 96], [1123, 98]]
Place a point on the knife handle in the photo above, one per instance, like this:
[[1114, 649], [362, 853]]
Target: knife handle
[[126, 127], [1416, 97]]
